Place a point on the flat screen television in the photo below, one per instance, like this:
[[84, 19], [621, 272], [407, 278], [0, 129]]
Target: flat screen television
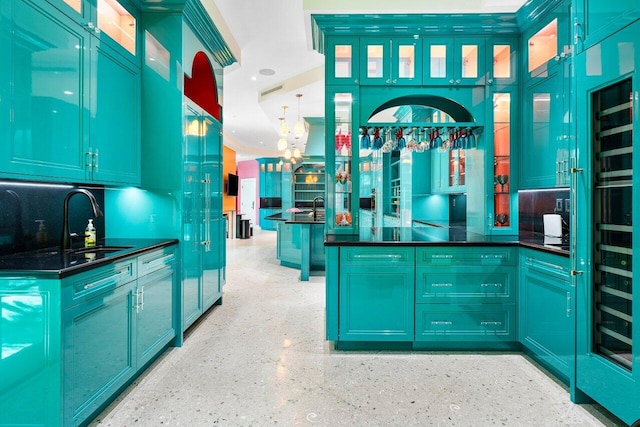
[[232, 185]]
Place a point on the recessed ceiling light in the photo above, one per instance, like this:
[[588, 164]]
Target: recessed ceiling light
[[266, 71], [254, 78]]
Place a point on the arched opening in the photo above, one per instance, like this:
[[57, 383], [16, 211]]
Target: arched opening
[[201, 86], [420, 108]]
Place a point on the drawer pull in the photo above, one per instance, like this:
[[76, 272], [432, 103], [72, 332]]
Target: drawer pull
[[486, 323], [441, 322], [492, 285], [536, 263], [158, 261], [109, 280], [440, 256], [442, 285], [392, 257]]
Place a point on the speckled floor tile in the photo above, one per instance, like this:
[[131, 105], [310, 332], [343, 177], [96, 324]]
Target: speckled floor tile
[[260, 359]]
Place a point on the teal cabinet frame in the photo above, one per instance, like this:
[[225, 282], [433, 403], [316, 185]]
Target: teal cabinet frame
[[76, 342], [376, 298], [390, 68], [342, 64], [546, 311], [60, 124], [448, 68], [597, 19], [546, 130]]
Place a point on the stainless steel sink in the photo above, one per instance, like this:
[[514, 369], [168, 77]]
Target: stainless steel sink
[[100, 249]]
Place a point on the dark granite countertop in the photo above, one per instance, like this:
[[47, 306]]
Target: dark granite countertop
[[52, 263], [439, 236], [302, 217]]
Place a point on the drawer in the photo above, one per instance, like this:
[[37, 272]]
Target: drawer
[[465, 322], [545, 263], [377, 255], [459, 255], [78, 288], [156, 260], [472, 285]]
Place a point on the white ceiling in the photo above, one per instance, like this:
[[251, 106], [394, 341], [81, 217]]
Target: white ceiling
[[275, 34]]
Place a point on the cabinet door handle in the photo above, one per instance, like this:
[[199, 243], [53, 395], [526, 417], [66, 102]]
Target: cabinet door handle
[[442, 285], [452, 81], [88, 155], [494, 285], [458, 81], [141, 297], [440, 256], [97, 159], [441, 322], [487, 323], [568, 304]]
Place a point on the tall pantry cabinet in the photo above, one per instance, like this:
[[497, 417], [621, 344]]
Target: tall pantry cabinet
[[181, 152]]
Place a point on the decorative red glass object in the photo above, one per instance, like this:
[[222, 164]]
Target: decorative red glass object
[[340, 140], [347, 141]]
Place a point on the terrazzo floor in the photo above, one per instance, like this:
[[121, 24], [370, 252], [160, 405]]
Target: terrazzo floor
[[260, 359]]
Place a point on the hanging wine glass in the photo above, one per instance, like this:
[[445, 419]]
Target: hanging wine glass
[[502, 180]]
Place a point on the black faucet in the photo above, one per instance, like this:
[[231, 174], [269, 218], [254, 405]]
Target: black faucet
[[315, 204], [65, 241]]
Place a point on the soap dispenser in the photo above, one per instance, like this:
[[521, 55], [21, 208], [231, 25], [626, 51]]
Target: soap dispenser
[[41, 235], [90, 235]]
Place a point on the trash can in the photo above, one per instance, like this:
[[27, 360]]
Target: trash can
[[245, 229]]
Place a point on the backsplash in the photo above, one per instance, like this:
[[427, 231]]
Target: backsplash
[[23, 204], [532, 204]]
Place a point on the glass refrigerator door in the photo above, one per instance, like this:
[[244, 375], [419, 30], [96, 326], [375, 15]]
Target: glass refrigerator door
[[613, 229]]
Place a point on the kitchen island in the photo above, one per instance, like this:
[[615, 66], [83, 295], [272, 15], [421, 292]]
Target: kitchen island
[[300, 241], [425, 288]]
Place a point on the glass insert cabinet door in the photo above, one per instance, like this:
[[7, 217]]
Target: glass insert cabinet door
[[340, 179]]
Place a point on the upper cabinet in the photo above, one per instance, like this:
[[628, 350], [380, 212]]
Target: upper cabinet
[[454, 61], [65, 89], [342, 61], [501, 61], [596, 19], [110, 20], [547, 44], [396, 61]]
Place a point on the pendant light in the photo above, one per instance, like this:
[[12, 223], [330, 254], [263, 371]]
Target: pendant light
[[284, 127], [298, 129]]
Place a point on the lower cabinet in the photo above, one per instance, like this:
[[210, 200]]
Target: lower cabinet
[[70, 345], [376, 294], [115, 320], [466, 294], [428, 296], [546, 311]]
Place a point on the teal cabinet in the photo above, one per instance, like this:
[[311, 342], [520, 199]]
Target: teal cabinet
[[308, 183], [71, 344], [597, 19], [270, 177], [376, 294], [341, 165], [395, 61], [454, 61], [547, 42], [31, 363], [271, 173], [448, 171], [155, 303], [202, 215], [301, 246], [546, 311], [61, 124], [342, 61], [98, 338], [545, 124], [465, 294], [502, 61]]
